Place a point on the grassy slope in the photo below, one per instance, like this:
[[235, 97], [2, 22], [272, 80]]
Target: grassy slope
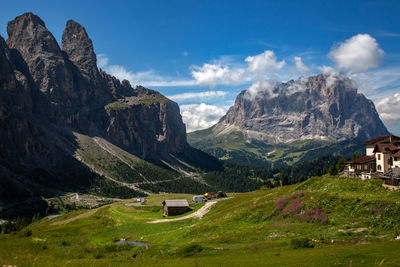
[[248, 229], [234, 147], [122, 166]]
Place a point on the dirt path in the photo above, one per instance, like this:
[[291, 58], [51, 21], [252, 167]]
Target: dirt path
[[197, 214]]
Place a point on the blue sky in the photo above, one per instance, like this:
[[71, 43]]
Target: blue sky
[[203, 53]]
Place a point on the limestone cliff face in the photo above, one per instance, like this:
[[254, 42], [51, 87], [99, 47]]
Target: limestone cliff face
[[81, 97], [145, 124], [324, 107], [47, 93]]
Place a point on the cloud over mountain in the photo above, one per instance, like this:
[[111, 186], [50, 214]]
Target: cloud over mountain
[[357, 54], [201, 116]]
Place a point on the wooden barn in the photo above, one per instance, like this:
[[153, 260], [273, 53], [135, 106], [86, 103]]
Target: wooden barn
[[175, 207]]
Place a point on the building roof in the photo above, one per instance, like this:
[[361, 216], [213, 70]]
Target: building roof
[[363, 159], [373, 141], [397, 154], [385, 148], [176, 203]]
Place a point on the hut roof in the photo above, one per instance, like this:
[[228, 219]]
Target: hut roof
[[176, 203], [375, 140], [363, 159]]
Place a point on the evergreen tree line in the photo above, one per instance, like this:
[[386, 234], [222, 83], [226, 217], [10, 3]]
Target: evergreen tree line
[[242, 178]]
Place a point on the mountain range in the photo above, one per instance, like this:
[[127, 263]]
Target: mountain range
[[67, 126], [284, 122]]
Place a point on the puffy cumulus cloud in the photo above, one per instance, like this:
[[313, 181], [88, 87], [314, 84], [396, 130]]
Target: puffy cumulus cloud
[[264, 63], [259, 67], [213, 74], [197, 95], [357, 54], [201, 116], [389, 109], [300, 66]]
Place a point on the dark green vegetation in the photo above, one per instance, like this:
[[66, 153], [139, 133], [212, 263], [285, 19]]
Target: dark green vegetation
[[324, 221], [234, 147]]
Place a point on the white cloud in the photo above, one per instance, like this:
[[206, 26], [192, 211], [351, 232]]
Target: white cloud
[[145, 78], [264, 63], [301, 67], [259, 68], [389, 108], [201, 116], [197, 95], [357, 54], [375, 81], [257, 87], [213, 74], [102, 60], [326, 69], [185, 53]]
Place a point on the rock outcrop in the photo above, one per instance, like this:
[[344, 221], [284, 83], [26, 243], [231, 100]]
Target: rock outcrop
[[89, 100], [48, 93], [323, 107]]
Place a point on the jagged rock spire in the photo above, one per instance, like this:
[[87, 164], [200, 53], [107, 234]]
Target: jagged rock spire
[[77, 44], [29, 34]]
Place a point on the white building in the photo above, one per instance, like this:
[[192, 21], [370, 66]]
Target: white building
[[382, 155]]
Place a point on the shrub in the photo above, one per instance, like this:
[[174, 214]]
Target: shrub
[[26, 233], [190, 250], [301, 243], [257, 217]]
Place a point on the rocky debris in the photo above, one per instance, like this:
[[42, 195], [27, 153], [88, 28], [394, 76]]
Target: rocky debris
[[323, 107]]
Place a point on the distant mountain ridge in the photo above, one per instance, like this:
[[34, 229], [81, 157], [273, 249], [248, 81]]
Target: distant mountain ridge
[[319, 107], [326, 108], [65, 125]]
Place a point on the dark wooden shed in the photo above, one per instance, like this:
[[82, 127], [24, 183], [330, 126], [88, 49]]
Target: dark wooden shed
[[175, 207]]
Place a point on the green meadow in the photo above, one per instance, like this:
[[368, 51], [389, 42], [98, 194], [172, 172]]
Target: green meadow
[[324, 221]]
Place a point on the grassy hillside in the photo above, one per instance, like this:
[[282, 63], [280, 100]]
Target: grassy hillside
[[236, 148], [324, 221], [129, 171]]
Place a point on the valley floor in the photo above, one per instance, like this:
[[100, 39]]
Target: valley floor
[[325, 221]]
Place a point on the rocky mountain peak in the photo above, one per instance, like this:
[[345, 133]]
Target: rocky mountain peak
[[324, 107], [29, 34], [79, 47]]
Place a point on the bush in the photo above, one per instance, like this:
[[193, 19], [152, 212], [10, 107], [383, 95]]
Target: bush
[[190, 250], [257, 217], [301, 243], [26, 233]]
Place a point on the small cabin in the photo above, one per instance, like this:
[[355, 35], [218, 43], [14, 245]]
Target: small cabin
[[175, 207]]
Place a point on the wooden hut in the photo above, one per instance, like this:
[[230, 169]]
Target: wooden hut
[[175, 207]]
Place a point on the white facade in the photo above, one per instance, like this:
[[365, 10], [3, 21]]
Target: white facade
[[379, 162], [396, 162], [370, 150]]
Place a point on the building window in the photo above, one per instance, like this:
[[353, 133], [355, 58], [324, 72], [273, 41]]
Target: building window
[[379, 167], [365, 167], [379, 156]]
